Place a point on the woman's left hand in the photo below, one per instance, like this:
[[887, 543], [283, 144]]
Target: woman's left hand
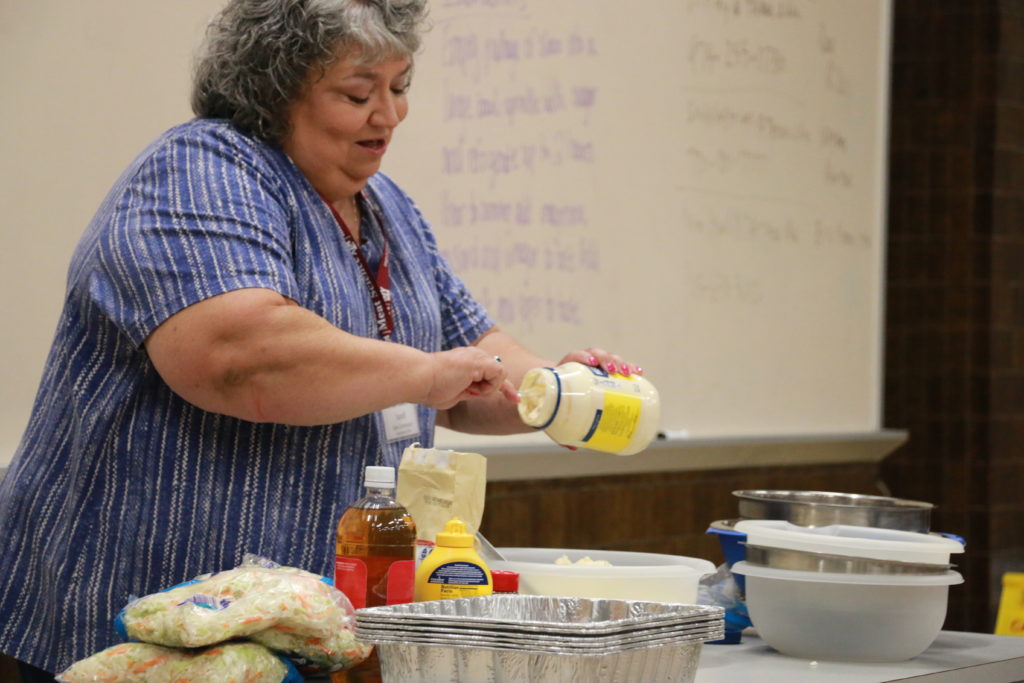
[[596, 357]]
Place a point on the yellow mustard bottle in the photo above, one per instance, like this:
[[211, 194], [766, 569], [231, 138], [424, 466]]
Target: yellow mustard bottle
[[453, 569]]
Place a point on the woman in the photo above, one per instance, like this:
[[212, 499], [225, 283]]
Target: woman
[[254, 315]]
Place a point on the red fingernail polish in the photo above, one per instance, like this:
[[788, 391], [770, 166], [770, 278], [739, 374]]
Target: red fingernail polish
[[611, 368], [591, 361]]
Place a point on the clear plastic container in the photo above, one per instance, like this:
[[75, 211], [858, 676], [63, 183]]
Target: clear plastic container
[[583, 406], [631, 576], [846, 617]]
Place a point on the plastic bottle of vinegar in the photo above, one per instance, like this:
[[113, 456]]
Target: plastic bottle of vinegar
[[375, 557], [583, 406]]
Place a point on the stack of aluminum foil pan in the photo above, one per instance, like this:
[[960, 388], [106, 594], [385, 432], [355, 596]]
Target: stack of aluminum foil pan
[[533, 637]]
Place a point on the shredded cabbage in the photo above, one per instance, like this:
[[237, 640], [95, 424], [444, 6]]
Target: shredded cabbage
[[286, 609], [147, 663]]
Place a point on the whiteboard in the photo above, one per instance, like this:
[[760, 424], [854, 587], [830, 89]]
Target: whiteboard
[[695, 184], [698, 185]]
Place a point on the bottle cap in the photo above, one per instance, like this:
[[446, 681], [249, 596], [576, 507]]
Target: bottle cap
[[505, 581], [455, 535], [379, 477]]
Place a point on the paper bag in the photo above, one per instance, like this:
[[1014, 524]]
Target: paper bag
[[436, 485]]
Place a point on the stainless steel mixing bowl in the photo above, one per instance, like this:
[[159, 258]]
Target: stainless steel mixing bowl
[[821, 508]]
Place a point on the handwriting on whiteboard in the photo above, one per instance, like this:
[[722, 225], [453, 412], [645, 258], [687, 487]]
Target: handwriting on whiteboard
[[766, 158], [516, 113]]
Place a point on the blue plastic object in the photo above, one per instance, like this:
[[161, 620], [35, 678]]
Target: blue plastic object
[[958, 539], [733, 549], [292, 674]]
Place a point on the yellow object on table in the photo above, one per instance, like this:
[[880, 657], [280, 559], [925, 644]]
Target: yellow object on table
[[1010, 620]]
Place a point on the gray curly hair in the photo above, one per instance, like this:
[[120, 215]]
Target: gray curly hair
[[257, 53]]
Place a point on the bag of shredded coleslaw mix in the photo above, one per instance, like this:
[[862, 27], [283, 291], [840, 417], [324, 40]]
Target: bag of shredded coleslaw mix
[[289, 617], [146, 663]]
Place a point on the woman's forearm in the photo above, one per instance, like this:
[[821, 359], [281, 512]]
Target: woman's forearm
[[495, 415], [255, 355]]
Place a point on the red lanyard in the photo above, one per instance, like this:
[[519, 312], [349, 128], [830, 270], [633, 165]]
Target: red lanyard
[[379, 285]]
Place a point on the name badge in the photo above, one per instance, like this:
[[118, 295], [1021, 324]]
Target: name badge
[[401, 422]]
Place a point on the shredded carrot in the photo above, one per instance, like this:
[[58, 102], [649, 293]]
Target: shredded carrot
[[150, 664], [303, 601]]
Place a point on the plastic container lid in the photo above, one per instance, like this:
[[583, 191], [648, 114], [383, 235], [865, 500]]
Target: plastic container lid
[[852, 541], [379, 477], [624, 564], [950, 578]]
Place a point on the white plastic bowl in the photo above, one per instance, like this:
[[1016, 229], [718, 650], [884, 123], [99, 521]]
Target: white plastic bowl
[[846, 617], [632, 576]]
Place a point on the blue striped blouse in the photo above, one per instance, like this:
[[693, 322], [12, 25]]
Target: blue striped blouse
[[120, 487]]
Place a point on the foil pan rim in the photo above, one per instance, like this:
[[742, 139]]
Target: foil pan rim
[[467, 643], [544, 611]]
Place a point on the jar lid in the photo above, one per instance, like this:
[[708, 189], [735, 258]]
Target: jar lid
[[505, 581]]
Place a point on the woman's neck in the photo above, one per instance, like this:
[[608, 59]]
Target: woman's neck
[[348, 209]]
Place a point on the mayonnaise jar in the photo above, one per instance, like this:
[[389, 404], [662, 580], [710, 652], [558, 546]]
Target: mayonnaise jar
[[583, 406]]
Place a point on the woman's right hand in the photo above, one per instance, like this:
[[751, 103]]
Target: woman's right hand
[[465, 373]]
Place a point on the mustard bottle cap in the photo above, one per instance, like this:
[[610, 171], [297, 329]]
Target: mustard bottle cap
[[455, 535]]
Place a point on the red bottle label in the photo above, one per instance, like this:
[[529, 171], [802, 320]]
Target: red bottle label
[[392, 584], [401, 581], [350, 579]]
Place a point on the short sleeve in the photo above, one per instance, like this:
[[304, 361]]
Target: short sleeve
[[199, 214], [463, 318]]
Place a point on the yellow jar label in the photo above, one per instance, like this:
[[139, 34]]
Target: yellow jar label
[[1010, 620], [615, 423]]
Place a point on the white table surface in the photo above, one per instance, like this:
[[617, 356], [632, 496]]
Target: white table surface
[[954, 657]]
